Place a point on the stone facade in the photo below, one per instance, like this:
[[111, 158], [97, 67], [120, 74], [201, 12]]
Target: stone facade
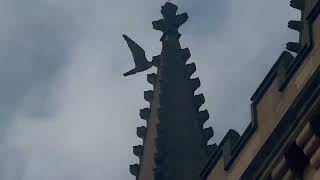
[[283, 139]]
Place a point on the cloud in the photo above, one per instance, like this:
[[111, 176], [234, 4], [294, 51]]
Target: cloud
[[66, 110]]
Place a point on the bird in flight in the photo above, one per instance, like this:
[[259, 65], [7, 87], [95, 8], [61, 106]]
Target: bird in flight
[[139, 57]]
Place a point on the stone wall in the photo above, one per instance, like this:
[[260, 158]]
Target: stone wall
[[281, 95]]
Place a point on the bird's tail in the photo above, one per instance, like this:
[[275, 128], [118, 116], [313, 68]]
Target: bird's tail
[[133, 71]]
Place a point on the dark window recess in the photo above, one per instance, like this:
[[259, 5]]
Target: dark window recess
[[296, 159], [315, 125]]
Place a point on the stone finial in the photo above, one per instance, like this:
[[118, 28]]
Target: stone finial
[[141, 132], [134, 169], [232, 138], [293, 46], [144, 113], [296, 25], [284, 63], [169, 9], [171, 22], [286, 60]]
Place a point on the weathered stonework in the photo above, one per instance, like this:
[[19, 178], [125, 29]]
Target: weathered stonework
[[281, 141], [174, 140]]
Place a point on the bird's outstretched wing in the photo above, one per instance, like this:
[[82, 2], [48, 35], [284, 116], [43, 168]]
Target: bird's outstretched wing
[[138, 53]]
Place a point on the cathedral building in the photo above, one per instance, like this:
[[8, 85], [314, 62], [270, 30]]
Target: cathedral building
[[281, 142]]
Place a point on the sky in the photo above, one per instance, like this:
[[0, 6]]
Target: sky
[[66, 111]]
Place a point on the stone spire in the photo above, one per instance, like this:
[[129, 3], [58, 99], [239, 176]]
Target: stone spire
[[174, 141]]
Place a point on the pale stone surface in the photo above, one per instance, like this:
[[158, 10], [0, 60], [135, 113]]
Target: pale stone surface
[[218, 172], [311, 146], [316, 175], [304, 136], [280, 170], [315, 159]]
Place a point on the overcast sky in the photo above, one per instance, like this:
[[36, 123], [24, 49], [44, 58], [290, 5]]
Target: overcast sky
[[66, 111]]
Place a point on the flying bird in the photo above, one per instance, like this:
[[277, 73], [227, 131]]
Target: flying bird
[[139, 57]]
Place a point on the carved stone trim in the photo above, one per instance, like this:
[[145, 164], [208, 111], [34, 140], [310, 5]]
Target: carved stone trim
[[190, 69], [144, 114], [198, 100], [148, 96], [134, 169], [141, 132], [152, 78], [195, 84], [138, 151]]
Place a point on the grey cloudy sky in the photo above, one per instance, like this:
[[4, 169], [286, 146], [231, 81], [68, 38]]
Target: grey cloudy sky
[[66, 111]]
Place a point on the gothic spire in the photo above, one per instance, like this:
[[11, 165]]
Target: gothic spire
[[174, 140]]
